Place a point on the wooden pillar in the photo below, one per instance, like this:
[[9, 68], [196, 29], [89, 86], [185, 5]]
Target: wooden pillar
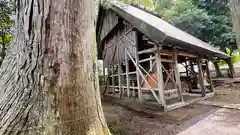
[[133, 90], [177, 76], [200, 77], [137, 62], [104, 77], [231, 67], [113, 80], [151, 64], [119, 72], [209, 76], [119, 80], [188, 78], [127, 74], [160, 78]]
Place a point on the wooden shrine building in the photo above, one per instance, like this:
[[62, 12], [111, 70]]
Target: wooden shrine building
[[143, 54]]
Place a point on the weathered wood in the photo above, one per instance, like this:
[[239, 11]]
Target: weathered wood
[[119, 73], [200, 77], [180, 53], [217, 69], [166, 60], [137, 64], [160, 78], [147, 51], [209, 76], [113, 80], [49, 82], [232, 72], [143, 77], [235, 12], [186, 54], [177, 76], [151, 64], [104, 75], [146, 60], [189, 78], [127, 74]]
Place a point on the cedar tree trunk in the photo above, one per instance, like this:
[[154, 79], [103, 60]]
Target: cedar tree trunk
[[235, 9], [49, 84]]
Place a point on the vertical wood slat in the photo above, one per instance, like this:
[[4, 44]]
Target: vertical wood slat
[[160, 78], [209, 77], [113, 80], [151, 64], [188, 77], [137, 62], [177, 76], [127, 74], [104, 79], [200, 77], [119, 72], [143, 77]]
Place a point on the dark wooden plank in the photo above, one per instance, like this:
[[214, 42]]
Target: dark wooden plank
[[209, 76], [200, 77]]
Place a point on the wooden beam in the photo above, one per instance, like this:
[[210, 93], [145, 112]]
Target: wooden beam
[[147, 60], [180, 53], [200, 77], [209, 77], [137, 62], [151, 64], [143, 77], [189, 78], [167, 60], [147, 51], [127, 74], [113, 79], [187, 54], [160, 78], [177, 76]]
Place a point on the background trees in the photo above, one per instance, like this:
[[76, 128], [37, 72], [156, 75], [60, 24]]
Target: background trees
[[208, 20], [6, 22]]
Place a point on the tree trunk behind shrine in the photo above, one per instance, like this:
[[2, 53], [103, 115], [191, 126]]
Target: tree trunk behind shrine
[[49, 84], [235, 9]]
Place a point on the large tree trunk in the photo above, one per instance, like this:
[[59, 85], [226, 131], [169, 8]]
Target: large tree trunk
[[217, 69], [235, 9], [48, 80]]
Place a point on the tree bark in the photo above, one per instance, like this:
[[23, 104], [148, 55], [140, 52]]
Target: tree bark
[[231, 68], [217, 69], [49, 84], [235, 10]]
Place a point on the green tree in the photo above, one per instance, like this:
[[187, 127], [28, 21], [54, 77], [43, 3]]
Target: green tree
[[220, 31], [146, 3], [185, 15], [6, 11], [207, 20]]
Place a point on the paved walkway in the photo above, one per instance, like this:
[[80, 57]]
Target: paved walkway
[[222, 122]]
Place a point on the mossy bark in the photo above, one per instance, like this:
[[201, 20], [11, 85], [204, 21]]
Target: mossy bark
[[235, 10], [49, 84]]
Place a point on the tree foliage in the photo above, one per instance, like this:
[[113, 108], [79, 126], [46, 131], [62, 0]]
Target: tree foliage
[[6, 22], [208, 20]]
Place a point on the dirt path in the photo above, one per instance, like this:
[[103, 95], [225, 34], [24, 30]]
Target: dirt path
[[124, 122]]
